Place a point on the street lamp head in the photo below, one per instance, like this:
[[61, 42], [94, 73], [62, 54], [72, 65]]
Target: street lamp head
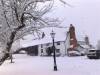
[[52, 34]]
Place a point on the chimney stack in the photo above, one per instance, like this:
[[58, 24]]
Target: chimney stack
[[73, 40]]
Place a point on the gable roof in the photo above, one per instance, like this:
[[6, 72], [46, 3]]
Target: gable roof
[[59, 36]]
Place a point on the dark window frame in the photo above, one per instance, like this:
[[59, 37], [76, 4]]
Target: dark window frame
[[58, 50], [58, 43]]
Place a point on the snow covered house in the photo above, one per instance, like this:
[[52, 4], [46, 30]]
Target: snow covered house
[[45, 44], [77, 46], [66, 42], [84, 45]]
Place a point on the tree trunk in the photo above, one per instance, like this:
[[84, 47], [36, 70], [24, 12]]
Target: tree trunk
[[9, 44], [8, 48]]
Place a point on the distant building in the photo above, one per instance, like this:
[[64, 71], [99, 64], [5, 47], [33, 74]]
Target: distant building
[[84, 46], [77, 47]]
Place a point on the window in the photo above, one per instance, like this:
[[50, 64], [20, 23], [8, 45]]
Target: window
[[41, 50], [58, 43], [58, 50], [41, 45]]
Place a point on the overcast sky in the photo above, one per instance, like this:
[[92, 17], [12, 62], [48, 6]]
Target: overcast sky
[[83, 14]]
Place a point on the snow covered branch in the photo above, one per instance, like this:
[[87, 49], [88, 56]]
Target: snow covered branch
[[21, 17]]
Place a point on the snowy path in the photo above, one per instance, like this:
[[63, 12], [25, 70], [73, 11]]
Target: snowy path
[[28, 65]]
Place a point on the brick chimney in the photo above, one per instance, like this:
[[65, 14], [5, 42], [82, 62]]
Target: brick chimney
[[73, 40]]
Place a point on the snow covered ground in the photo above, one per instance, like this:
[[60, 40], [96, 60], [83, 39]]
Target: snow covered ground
[[36, 65]]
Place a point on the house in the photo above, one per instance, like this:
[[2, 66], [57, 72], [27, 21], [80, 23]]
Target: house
[[46, 49], [45, 44], [77, 47], [84, 45], [66, 42]]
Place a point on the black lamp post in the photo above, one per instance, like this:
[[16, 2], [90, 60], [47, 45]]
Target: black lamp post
[[53, 47]]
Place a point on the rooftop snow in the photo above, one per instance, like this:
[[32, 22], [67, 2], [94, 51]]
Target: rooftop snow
[[59, 36]]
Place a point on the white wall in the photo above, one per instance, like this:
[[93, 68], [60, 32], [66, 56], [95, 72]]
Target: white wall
[[61, 47], [67, 42]]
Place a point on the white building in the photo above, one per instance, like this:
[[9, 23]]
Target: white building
[[61, 41], [60, 48], [65, 42]]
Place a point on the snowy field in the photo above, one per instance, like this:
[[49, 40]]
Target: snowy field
[[35, 65]]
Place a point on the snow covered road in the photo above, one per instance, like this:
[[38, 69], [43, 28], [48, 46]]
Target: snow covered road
[[35, 65]]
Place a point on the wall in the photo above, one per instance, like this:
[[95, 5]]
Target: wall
[[67, 42], [44, 47]]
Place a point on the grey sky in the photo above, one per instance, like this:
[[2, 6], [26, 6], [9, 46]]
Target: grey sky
[[84, 15]]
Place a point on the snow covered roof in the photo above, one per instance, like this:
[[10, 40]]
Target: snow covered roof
[[59, 36], [85, 46], [82, 42], [80, 37]]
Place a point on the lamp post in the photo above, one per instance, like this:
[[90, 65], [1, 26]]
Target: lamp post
[[53, 47]]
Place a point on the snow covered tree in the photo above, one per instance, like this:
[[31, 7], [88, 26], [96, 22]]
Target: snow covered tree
[[18, 18]]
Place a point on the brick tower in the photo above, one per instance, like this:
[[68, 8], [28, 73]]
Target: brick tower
[[73, 40]]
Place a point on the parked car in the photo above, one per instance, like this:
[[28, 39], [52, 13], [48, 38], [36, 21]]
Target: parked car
[[93, 54]]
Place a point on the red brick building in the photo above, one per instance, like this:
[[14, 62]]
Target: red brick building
[[77, 47], [73, 40]]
